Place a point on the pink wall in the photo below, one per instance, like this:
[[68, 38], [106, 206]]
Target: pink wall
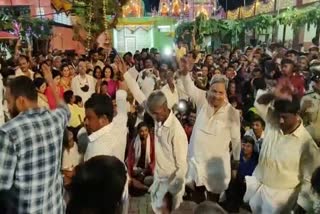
[[46, 4], [14, 2], [62, 36], [62, 40]]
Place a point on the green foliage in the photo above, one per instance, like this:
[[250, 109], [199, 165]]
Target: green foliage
[[38, 28], [5, 22], [227, 30], [230, 31], [299, 17], [81, 9]]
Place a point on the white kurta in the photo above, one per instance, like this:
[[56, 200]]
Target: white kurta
[[111, 139], [171, 146], [78, 82], [19, 73], [133, 72], [148, 83], [286, 163], [172, 97], [208, 155]]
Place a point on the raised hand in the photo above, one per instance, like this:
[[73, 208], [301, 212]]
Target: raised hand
[[284, 89], [47, 74], [121, 65]]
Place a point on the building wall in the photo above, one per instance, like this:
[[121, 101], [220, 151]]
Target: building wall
[[309, 1], [62, 39], [283, 4], [162, 40], [14, 2], [62, 36]]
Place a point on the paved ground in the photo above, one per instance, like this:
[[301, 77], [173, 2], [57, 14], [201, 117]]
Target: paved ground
[[141, 205]]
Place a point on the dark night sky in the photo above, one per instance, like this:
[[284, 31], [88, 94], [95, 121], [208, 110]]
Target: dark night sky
[[149, 4]]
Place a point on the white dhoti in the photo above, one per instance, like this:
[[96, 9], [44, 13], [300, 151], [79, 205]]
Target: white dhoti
[[266, 200], [159, 189], [125, 197]]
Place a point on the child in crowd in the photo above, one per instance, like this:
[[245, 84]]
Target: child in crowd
[[71, 157]]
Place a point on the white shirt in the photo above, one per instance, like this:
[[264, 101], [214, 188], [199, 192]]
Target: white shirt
[[148, 83], [133, 72], [71, 158], [172, 97], [208, 156], [20, 73], [181, 91], [171, 146], [78, 82], [286, 161], [112, 138]]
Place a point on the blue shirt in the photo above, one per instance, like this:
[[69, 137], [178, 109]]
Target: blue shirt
[[247, 167]]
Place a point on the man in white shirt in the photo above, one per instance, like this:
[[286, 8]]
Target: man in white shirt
[[56, 63], [287, 158], [83, 84], [217, 124], [107, 134], [147, 78], [95, 59], [170, 90], [171, 145], [23, 69]]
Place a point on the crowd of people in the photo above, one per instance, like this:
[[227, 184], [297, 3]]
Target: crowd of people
[[228, 130]]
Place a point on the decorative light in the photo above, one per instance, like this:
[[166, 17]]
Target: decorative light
[[164, 9], [89, 37], [204, 11], [176, 8]]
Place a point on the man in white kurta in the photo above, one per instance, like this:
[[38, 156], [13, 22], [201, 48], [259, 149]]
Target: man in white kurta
[[286, 162], [83, 84], [171, 145], [112, 138], [171, 91], [214, 129]]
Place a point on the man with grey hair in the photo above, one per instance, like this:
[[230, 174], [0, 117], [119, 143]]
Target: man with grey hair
[[56, 63], [217, 124], [171, 147]]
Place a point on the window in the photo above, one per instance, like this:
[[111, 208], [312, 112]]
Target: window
[[40, 12], [164, 28], [62, 18]]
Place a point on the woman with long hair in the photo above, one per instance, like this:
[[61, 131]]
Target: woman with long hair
[[41, 87], [112, 87], [65, 81]]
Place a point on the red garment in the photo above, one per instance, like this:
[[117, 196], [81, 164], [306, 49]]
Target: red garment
[[49, 94], [188, 130], [298, 83], [131, 157]]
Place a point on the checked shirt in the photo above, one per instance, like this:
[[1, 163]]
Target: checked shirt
[[30, 160]]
